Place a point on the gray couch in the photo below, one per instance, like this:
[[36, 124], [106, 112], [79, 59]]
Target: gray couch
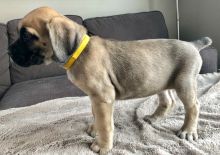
[[26, 86]]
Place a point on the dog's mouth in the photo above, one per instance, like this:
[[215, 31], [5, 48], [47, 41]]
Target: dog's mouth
[[23, 62], [23, 56]]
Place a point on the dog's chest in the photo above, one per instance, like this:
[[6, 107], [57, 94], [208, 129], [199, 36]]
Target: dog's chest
[[71, 76], [76, 81]]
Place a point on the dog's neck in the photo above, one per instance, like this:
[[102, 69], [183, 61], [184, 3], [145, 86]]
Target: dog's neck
[[72, 58], [76, 43]]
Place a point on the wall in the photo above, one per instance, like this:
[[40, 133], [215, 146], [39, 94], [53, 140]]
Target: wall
[[200, 18], [168, 8], [197, 17], [85, 8], [11, 9]]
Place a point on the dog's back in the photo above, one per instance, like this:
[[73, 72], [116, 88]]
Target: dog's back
[[145, 67]]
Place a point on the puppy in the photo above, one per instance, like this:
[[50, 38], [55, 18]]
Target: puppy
[[107, 70]]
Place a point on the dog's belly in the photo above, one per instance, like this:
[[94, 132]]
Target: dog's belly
[[145, 89], [135, 85], [143, 79]]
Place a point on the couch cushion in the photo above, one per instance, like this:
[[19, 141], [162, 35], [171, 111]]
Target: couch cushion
[[18, 73], [38, 90], [210, 60], [4, 60], [135, 26]]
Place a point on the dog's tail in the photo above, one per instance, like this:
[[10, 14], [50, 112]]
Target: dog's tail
[[202, 43]]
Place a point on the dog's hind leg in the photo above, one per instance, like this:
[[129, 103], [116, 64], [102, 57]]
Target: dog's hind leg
[[166, 102], [186, 88]]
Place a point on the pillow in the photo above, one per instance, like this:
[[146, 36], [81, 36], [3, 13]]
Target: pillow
[[4, 61], [134, 26]]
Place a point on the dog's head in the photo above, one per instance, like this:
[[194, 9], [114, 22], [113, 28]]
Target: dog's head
[[26, 51], [45, 36]]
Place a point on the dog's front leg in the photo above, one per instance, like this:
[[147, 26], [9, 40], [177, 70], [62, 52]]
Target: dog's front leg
[[91, 129], [104, 126]]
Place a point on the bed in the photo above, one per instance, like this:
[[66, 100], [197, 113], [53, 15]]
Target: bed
[[59, 126]]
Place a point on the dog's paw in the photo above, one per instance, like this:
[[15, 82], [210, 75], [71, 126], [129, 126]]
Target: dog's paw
[[91, 130], [188, 135], [102, 151], [150, 119]]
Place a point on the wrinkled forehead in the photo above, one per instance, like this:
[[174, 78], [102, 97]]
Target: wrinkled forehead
[[37, 28], [32, 31], [37, 19]]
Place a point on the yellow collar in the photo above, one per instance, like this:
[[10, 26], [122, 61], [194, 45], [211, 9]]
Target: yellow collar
[[77, 52]]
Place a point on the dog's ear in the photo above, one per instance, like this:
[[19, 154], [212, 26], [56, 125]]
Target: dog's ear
[[62, 34]]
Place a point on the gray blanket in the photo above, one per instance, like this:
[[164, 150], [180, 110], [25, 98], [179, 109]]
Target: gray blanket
[[58, 126]]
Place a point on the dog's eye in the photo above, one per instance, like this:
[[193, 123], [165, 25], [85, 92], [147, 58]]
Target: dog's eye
[[44, 44]]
